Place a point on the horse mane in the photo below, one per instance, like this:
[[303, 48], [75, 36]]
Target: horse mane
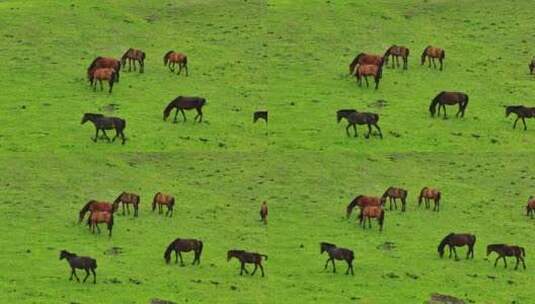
[[93, 63], [126, 53], [434, 102], [154, 201], [118, 198], [388, 51], [386, 192], [444, 241], [354, 63], [167, 253], [424, 53], [170, 107], [324, 246], [165, 57], [352, 204], [421, 195]]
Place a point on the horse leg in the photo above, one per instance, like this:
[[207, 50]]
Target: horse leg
[[405, 62], [395, 204], [444, 107], [105, 135], [496, 262], [127, 208], [504, 261], [183, 114], [86, 275], [334, 266], [434, 63], [517, 262], [429, 61], [94, 276], [123, 208], [75, 275], [96, 136], [347, 129], [523, 263], [98, 228], [524, 122], [179, 69], [181, 260], [514, 125], [370, 222], [134, 63], [367, 83], [326, 263], [455, 252], [390, 200], [440, 63], [254, 270], [72, 273], [369, 131], [378, 129]]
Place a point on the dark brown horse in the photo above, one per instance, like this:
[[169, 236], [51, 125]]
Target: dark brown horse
[[126, 198], [94, 205], [365, 70], [531, 66], [397, 51], [530, 207], [100, 74], [161, 199], [105, 62], [264, 212], [184, 245], [458, 240], [133, 56], [521, 113], [79, 262], [172, 58], [362, 59], [504, 250], [97, 217], [247, 258], [433, 53], [369, 212], [393, 193], [182, 103], [260, 115], [336, 253], [103, 123], [355, 118], [449, 98], [363, 201], [428, 194]]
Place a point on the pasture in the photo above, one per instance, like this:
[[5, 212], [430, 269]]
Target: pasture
[[291, 58]]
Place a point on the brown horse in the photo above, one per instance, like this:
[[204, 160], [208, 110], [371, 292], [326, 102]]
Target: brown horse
[[397, 51], [264, 212], [504, 250], [366, 70], [127, 199], [184, 245], [370, 212], [430, 194], [449, 98], [163, 199], [94, 205], [182, 103], [97, 217], [247, 258], [362, 59], [336, 253], [363, 201], [458, 240], [393, 193], [172, 58], [521, 113], [433, 53], [79, 262], [133, 56], [531, 66], [100, 74], [530, 207], [105, 62], [355, 118]]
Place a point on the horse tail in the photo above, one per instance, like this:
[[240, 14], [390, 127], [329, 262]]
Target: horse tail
[[438, 196], [200, 248], [167, 253], [93, 263], [523, 251], [442, 54], [143, 55], [265, 256], [424, 53], [154, 201], [185, 60], [408, 52], [434, 102], [466, 98], [114, 76], [172, 203], [165, 58]]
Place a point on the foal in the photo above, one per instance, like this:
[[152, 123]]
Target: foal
[[393, 193], [97, 217], [506, 251], [247, 258], [355, 118], [370, 212], [127, 199], [366, 70], [264, 212], [184, 245], [521, 113], [76, 262], [458, 240], [336, 253], [163, 199], [101, 74]]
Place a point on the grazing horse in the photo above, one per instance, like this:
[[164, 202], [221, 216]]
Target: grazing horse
[[264, 212], [363, 201], [449, 98], [370, 212], [171, 58], [430, 194], [182, 103], [133, 56], [336, 253], [100, 74], [530, 207], [104, 123], [79, 262], [393, 193], [105, 62], [531, 66], [97, 217], [184, 245], [433, 53], [355, 118], [521, 113], [458, 240], [504, 250], [260, 115], [247, 258], [362, 59], [126, 198], [163, 199], [366, 70], [397, 51], [93, 205]]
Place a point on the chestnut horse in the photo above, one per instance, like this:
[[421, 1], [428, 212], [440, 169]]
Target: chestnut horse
[[163, 199], [370, 212], [105, 62], [172, 58], [449, 98], [397, 51], [133, 56], [458, 240], [393, 193], [364, 58], [530, 208], [433, 53], [127, 199], [97, 217], [336, 253], [363, 201], [521, 113], [504, 250], [184, 245], [366, 70], [430, 194], [247, 258], [94, 205], [100, 74], [264, 212], [182, 103]]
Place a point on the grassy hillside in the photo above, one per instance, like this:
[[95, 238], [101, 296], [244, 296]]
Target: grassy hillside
[[291, 58]]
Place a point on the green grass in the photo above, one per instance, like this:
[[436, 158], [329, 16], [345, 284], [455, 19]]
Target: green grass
[[291, 58]]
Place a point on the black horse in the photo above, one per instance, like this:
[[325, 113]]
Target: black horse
[[79, 262], [184, 245], [336, 253], [182, 103], [521, 113], [104, 123], [458, 240], [247, 258], [505, 250], [355, 118], [449, 98]]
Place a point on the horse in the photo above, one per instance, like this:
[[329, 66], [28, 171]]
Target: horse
[[133, 56], [104, 123], [531, 66], [355, 118], [172, 58], [458, 240], [184, 245], [105, 62], [247, 258], [364, 58], [521, 112], [504, 250], [433, 53], [363, 201], [393, 193], [94, 205], [182, 103], [370, 212], [530, 207], [100, 74], [97, 217], [449, 98], [264, 212], [427, 194], [260, 115], [336, 253], [126, 198], [163, 199], [79, 262], [397, 51], [365, 70]]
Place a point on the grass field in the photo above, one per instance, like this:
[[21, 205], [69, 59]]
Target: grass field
[[291, 58]]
